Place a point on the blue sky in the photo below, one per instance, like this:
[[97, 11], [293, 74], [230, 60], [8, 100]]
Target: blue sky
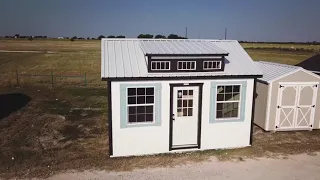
[[252, 20]]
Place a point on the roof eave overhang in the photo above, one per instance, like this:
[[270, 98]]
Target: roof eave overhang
[[188, 55], [180, 77]]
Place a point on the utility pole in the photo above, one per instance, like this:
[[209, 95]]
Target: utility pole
[[225, 33], [186, 32]]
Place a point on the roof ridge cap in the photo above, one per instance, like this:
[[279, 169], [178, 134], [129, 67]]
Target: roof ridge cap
[[279, 64]]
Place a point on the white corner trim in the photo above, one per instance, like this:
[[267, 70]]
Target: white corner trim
[[311, 73], [102, 59], [299, 83], [268, 107]]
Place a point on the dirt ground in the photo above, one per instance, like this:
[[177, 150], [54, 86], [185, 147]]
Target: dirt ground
[[44, 132], [304, 167]]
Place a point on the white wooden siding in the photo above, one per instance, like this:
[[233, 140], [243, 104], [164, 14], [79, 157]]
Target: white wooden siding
[[155, 139]]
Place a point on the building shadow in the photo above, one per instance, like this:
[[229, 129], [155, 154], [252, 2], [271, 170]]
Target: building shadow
[[10, 103]]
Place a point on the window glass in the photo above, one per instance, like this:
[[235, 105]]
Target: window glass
[[209, 65], [160, 65], [185, 103], [228, 101], [186, 65], [140, 105]]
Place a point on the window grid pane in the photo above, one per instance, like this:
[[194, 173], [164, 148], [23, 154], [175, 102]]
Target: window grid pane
[[184, 103], [160, 65], [186, 65], [210, 65], [140, 105], [228, 101]]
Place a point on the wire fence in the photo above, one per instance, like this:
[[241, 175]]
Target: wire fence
[[51, 79]]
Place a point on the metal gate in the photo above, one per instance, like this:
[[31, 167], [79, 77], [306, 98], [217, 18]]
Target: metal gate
[[296, 106]]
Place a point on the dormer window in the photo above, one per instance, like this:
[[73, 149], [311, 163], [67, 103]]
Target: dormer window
[[186, 65], [160, 65], [211, 65], [183, 56]]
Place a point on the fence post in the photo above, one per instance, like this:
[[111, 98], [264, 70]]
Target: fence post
[[17, 74], [85, 79], [52, 83]]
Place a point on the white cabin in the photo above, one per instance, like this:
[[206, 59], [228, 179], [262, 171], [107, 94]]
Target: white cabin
[[171, 95]]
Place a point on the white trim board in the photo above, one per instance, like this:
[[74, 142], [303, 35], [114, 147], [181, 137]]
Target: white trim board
[[267, 121], [298, 83], [311, 73]]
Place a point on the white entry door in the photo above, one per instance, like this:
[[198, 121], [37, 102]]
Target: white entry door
[[296, 106], [185, 116]]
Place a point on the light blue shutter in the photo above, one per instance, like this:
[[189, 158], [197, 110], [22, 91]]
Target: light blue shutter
[[157, 92], [213, 101], [243, 100], [124, 105]]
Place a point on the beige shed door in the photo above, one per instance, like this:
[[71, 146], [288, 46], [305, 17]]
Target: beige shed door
[[296, 106]]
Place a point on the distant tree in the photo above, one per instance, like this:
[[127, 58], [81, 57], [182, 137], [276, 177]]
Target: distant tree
[[88, 38], [73, 38], [16, 35], [120, 36], [174, 36], [146, 36], [111, 36], [100, 37], [30, 38], [93, 38], [160, 37]]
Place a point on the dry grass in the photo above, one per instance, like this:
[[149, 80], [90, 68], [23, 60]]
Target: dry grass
[[284, 46], [66, 58], [49, 45], [83, 56], [286, 57]]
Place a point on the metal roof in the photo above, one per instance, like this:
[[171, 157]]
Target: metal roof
[[126, 58], [180, 47], [273, 71]]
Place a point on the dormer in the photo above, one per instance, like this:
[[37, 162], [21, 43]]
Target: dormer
[[183, 56]]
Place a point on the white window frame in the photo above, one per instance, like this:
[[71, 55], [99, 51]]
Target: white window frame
[[206, 68], [239, 101], [153, 104], [155, 69], [195, 65]]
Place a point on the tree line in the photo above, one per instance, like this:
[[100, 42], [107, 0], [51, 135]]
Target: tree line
[[145, 36], [148, 36]]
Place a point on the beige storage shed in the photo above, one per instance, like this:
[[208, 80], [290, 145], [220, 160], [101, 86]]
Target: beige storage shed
[[288, 98]]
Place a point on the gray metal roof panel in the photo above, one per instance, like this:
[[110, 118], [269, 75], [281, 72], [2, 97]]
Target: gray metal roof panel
[[126, 58], [179, 47], [273, 71]]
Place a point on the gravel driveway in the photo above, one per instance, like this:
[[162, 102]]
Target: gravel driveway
[[304, 167]]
